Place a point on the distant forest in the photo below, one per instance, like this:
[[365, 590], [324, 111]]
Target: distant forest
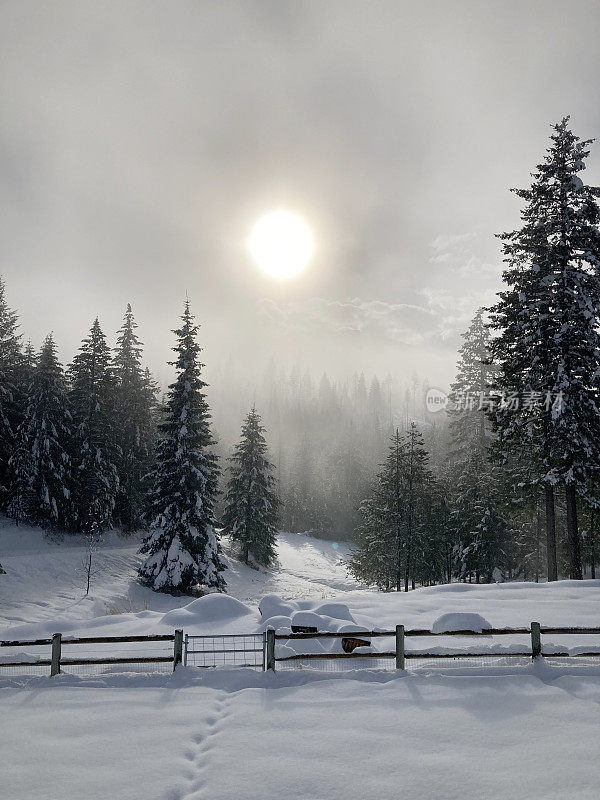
[[326, 437], [502, 483]]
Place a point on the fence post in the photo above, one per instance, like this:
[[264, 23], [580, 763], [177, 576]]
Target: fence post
[[177, 648], [536, 640], [271, 649], [185, 649], [56, 646], [399, 646]]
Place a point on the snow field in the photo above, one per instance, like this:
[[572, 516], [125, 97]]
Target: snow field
[[298, 734], [417, 736]]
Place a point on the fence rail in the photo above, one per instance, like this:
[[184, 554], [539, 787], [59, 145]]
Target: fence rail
[[258, 650], [57, 660], [400, 654]]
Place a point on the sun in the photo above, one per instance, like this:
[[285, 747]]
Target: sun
[[281, 243]]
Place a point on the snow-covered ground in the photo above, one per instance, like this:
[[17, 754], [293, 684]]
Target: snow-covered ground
[[299, 734], [45, 579]]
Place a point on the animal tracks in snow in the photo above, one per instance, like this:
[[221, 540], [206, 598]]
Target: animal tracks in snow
[[198, 752]]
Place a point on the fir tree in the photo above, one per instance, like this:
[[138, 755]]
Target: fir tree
[[548, 341], [135, 402], [478, 523], [469, 427], [94, 449], [21, 468], [395, 517], [48, 431], [183, 550], [250, 515], [374, 559], [10, 360]]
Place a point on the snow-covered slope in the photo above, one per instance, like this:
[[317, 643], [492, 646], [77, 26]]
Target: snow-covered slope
[[43, 592], [490, 732], [45, 579]]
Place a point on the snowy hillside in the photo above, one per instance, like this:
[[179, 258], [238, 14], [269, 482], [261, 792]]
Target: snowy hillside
[[526, 730], [460, 734], [45, 579]]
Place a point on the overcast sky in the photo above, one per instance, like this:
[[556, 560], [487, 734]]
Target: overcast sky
[[139, 141]]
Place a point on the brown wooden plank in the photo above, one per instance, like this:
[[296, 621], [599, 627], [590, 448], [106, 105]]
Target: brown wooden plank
[[467, 655], [231, 650], [569, 631], [333, 635], [590, 653], [139, 660], [163, 637], [25, 643], [486, 632], [317, 656], [45, 663], [413, 632]]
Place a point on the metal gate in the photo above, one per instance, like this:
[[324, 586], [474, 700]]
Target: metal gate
[[227, 650]]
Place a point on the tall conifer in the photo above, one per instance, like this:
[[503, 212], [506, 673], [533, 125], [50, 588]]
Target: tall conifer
[[183, 549], [251, 503]]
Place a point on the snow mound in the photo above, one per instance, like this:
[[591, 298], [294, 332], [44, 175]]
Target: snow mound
[[460, 621], [210, 608], [325, 617], [272, 605], [335, 610], [279, 623]]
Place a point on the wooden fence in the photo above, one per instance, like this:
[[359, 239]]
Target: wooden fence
[[57, 660], [400, 654], [233, 648]]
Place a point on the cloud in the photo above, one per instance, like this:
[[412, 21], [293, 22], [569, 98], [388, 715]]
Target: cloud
[[377, 319], [446, 241], [453, 251], [455, 311]]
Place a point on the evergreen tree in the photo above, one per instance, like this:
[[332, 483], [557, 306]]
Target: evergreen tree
[[21, 467], [374, 559], [94, 449], [469, 428], [47, 430], [395, 518], [183, 550], [135, 403], [251, 515], [478, 522], [548, 341], [10, 360]]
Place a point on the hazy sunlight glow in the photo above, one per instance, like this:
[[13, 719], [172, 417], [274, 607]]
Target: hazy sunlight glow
[[281, 244]]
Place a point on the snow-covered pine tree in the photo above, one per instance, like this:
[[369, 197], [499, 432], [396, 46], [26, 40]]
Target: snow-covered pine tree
[[10, 360], [373, 561], [183, 549], [21, 468], [394, 518], [548, 342], [48, 431], [478, 522], [475, 516], [469, 427], [251, 512], [418, 490], [135, 402], [95, 451]]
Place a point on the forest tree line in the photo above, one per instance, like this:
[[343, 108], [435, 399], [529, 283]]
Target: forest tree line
[[519, 494], [502, 484]]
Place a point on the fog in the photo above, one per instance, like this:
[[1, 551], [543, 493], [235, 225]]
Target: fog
[[139, 143]]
